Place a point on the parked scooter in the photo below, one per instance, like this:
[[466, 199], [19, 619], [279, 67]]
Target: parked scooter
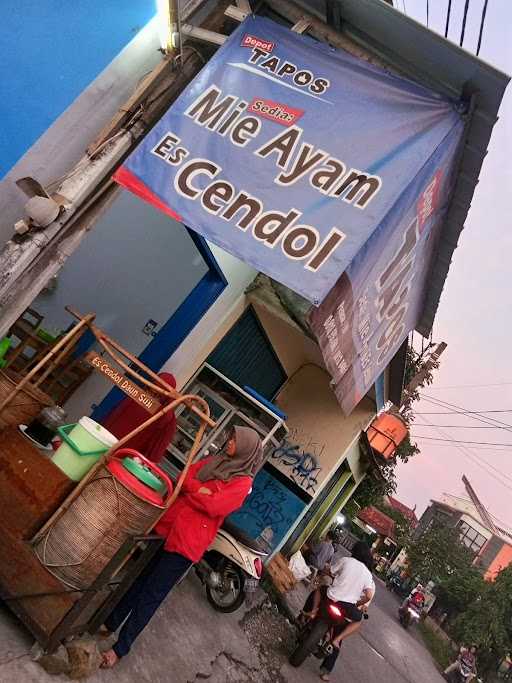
[[408, 614], [316, 635], [231, 568]]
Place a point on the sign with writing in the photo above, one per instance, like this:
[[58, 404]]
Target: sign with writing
[[288, 153], [144, 398], [270, 505], [378, 300]]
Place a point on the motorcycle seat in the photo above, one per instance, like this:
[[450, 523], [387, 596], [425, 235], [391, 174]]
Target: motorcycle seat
[[243, 538]]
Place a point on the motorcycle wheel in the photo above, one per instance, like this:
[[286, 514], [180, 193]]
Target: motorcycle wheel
[[308, 644], [231, 594]]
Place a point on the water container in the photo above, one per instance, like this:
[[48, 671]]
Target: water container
[[386, 433], [125, 498], [82, 445]]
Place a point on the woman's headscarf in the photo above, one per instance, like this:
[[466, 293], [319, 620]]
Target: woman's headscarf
[[152, 441], [246, 462]]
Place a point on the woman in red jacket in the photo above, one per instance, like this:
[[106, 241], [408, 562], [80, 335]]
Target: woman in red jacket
[[214, 488]]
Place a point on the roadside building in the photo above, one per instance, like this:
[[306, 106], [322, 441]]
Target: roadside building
[[490, 544], [173, 297]]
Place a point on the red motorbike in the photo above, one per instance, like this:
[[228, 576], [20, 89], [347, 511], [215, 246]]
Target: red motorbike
[[316, 635]]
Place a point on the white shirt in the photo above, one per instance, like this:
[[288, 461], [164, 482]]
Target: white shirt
[[350, 580]]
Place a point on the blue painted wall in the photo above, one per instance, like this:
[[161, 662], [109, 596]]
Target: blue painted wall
[[271, 504], [51, 51]]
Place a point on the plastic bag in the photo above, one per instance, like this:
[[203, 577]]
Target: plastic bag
[[298, 566]]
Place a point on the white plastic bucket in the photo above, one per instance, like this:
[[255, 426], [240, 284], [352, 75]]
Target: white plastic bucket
[[82, 446]]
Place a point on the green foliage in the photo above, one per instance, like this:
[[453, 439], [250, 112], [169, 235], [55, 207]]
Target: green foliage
[[461, 589], [402, 524], [487, 621], [438, 647], [437, 555], [415, 363]]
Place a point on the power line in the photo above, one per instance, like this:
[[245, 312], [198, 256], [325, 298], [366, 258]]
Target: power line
[[467, 454], [448, 12], [467, 412], [405, 8], [463, 411], [428, 12], [464, 19], [476, 443], [471, 386], [482, 22], [461, 426]]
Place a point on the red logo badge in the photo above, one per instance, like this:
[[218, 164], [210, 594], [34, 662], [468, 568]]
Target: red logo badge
[[427, 203], [255, 42], [275, 111]]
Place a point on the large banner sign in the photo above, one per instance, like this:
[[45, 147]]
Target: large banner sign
[[378, 300], [289, 154]]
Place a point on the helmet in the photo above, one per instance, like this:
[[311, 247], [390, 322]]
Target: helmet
[[362, 552]]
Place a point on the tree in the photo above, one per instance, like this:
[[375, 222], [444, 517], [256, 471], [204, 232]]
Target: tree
[[372, 490], [402, 524], [461, 589], [437, 555], [487, 621]]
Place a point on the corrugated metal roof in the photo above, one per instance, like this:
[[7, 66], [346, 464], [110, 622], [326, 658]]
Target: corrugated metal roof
[[424, 56]]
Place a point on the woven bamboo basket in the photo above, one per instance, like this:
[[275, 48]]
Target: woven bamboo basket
[[86, 537], [25, 406]]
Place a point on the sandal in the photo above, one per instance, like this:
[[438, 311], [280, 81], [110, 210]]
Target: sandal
[[103, 632], [109, 660]]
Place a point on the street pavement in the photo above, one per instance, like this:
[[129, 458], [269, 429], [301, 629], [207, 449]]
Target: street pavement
[[188, 642]]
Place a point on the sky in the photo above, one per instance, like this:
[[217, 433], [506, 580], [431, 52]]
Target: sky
[[475, 312]]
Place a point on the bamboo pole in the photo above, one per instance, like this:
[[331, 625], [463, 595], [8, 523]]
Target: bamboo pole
[[52, 352], [164, 389], [104, 459], [58, 359]]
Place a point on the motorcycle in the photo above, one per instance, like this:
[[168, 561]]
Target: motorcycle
[[463, 673], [409, 614], [231, 568], [395, 584], [316, 635]]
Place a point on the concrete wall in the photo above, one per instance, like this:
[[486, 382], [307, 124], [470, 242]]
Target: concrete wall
[[500, 562], [316, 421], [220, 318], [64, 132]]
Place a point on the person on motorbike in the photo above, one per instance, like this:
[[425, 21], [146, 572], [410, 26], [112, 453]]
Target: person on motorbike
[[466, 656], [352, 589], [416, 597], [322, 552], [213, 488]]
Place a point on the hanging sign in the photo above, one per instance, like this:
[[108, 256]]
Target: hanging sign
[[142, 397], [365, 318], [288, 154]]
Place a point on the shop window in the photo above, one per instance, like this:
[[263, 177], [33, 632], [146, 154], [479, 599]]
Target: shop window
[[471, 538]]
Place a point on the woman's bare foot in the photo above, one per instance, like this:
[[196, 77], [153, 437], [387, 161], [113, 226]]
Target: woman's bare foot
[[110, 659], [325, 677]]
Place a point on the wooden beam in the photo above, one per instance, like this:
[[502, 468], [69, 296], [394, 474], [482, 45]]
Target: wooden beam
[[236, 13], [203, 34], [244, 5], [302, 25], [134, 102], [321, 31]]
